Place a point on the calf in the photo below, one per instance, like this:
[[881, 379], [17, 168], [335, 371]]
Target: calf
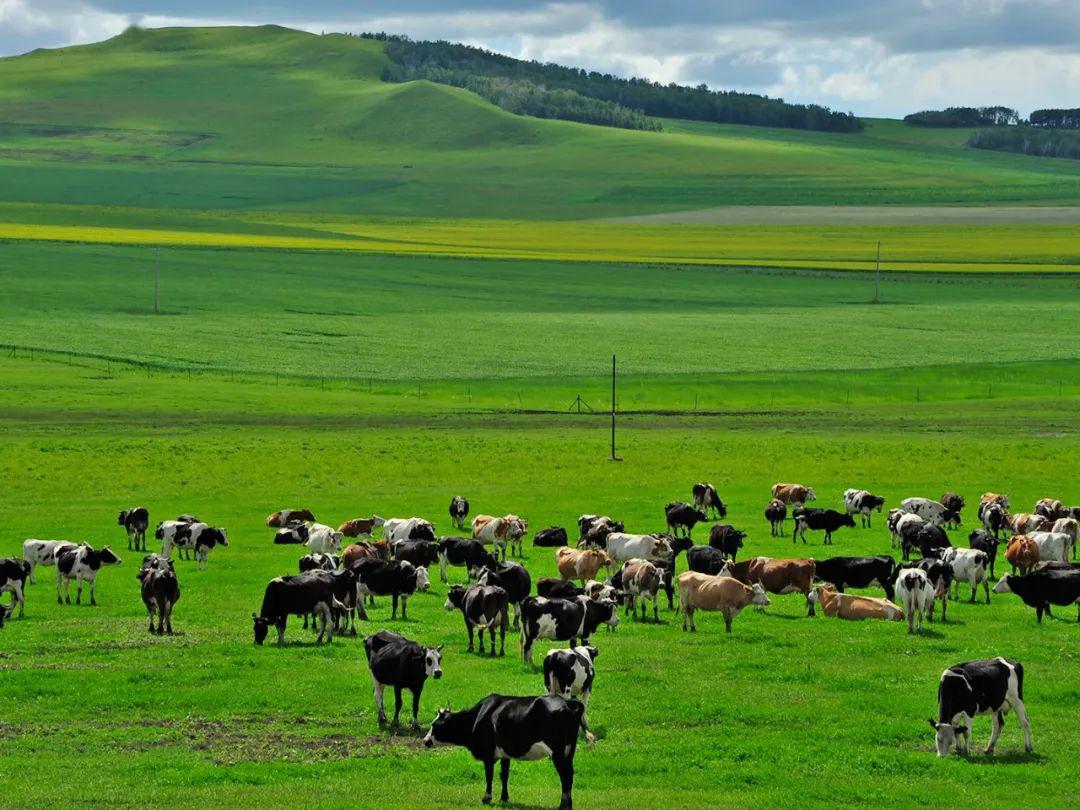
[[43, 552], [512, 578], [580, 564], [525, 728], [485, 607], [862, 503], [459, 510], [570, 620], [827, 520], [683, 516], [641, 580], [393, 578], [553, 588], [916, 594], [160, 591], [724, 594], [969, 565], [855, 608], [793, 494], [397, 662], [986, 543], [776, 514], [296, 596], [285, 517], [778, 576], [1041, 589], [135, 522], [994, 687], [295, 535], [13, 576], [80, 563], [858, 572], [463, 552], [360, 527], [930, 511], [500, 532], [552, 537], [414, 528], [570, 674], [622, 547], [1022, 553], [705, 498], [727, 539], [994, 518]]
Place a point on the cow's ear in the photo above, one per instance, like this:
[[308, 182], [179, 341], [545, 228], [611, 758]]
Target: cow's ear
[[933, 725], [960, 729], [439, 648], [254, 617]]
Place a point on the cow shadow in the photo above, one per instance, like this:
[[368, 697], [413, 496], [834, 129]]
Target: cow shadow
[[1010, 758], [927, 632]]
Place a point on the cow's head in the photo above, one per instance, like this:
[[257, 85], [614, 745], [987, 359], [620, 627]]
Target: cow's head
[[1003, 584], [810, 494], [947, 735], [440, 729], [455, 595], [847, 520], [590, 651], [607, 611], [120, 521], [224, 537], [377, 521], [433, 662], [758, 596], [262, 627], [662, 548], [108, 556], [423, 580]]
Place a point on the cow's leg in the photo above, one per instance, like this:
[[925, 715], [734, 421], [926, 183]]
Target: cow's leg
[[481, 634], [168, 617], [59, 591], [416, 707], [655, 610], [442, 568], [397, 707], [379, 691], [489, 776], [727, 620], [1021, 714], [809, 605], [404, 606], [393, 610], [565, 768], [281, 630], [150, 610], [997, 721], [469, 630], [504, 776]]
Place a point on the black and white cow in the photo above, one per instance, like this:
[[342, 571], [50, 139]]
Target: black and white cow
[[1043, 588], [296, 596], [705, 497], [994, 518], [295, 534], [195, 539], [507, 728], [463, 552], [13, 575], [930, 510], [926, 538], [683, 516], [940, 575], [459, 510], [563, 620], [82, 564], [551, 537], [859, 572], [862, 503], [987, 543], [727, 539], [512, 578], [570, 674], [395, 578], [987, 686], [160, 591], [44, 552], [826, 520], [485, 607], [135, 521], [397, 662], [319, 562]]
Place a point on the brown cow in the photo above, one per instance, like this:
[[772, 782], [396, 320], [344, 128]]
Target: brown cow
[[704, 592], [1025, 523], [849, 606], [793, 494], [1022, 553], [580, 564], [360, 527], [365, 551], [1050, 508], [952, 502], [283, 517], [778, 576], [641, 580]]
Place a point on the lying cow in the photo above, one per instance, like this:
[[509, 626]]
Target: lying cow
[[720, 593], [793, 494], [860, 502], [397, 662], [826, 520], [160, 591], [485, 607], [573, 620], [551, 537], [855, 608], [581, 564], [81, 564], [706, 498], [459, 510], [135, 522], [776, 514], [285, 517], [992, 687]]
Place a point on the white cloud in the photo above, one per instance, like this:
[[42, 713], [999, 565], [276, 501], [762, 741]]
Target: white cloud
[[28, 24]]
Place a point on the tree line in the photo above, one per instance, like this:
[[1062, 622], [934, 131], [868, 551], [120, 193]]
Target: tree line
[[1029, 140], [552, 91], [1052, 118]]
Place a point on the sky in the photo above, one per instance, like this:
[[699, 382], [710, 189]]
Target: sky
[[872, 57]]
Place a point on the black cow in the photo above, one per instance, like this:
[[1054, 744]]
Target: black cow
[[403, 664], [858, 572], [135, 522], [1043, 588], [563, 620], [505, 728], [776, 514], [705, 560], [459, 510], [940, 575], [683, 516], [343, 585], [13, 575], [464, 552], [296, 534], [988, 686], [925, 538], [706, 498], [512, 578], [421, 553], [485, 607], [394, 578], [552, 537], [555, 588], [986, 543], [827, 520], [295, 596], [160, 591], [727, 539]]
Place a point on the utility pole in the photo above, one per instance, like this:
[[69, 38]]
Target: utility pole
[[877, 276], [157, 276], [613, 456]]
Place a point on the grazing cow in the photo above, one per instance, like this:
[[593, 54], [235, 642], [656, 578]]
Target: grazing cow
[[727, 539], [319, 562], [393, 578], [420, 553], [323, 540], [364, 551], [925, 538], [705, 497], [463, 552], [778, 576], [989, 686], [360, 527], [971, 566], [1069, 526], [1050, 508], [552, 537], [793, 494], [860, 502], [500, 532], [1022, 553], [706, 560], [940, 575], [986, 543], [397, 662], [721, 593], [641, 580], [160, 591], [1053, 547], [622, 547], [80, 563], [582, 564], [858, 572], [776, 514], [855, 608], [1025, 523], [309, 593], [13, 575], [1041, 589], [901, 523], [343, 587], [570, 620], [994, 518], [197, 539], [414, 528], [135, 522], [554, 588], [570, 674], [524, 728], [485, 607], [683, 516], [916, 594], [296, 535], [827, 520], [512, 578], [930, 511], [285, 517], [43, 552], [459, 510], [954, 503]]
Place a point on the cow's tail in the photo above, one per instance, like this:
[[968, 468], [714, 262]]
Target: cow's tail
[[579, 713]]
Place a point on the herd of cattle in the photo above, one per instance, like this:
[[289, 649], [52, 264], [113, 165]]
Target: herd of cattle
[[334, 584]]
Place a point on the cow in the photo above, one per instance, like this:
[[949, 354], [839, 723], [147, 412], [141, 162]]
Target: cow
[[555, 588], [1050, 508], [1025, 523], [900, 523], [622, 547], [43, 552], [595, 589], [160, 591], [393, 578], [596, 536], [81, 564], [930, 511], [485, 607], [587, 522], [721, 593], [793, 494], [364, 550], [135, 522], [360, 527], [500, 532], [916, 594], [421, 553], [285, 517], [940, 575], [855, 608], [954, 503], [776, 514], [925, 538], [551, 537], [1053, 547], [988, 544], [512, 578], [524, 728], [988, 498], [1022, 553], [1041, 589], [413, 528], [198, 539], [573, 620], [1069, 526], [778, 576], [319, 562], [459, 510], [570, 674], [641, 580], [463, 552], [706, 560], [581, 564], [994, 518], [988, 686], [343, 587], [862, 503], [683, 516], [13, 575], [858, 572], [827, 520], [322, 539], [705, 497], [299, 595], [295, 535], [727, 539], [397, 662], [971, 566]]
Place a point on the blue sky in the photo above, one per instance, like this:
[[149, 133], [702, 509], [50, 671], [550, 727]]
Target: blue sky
[[874, 57]]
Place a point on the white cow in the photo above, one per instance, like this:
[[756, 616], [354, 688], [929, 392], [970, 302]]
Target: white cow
[[968, 565], [323, 540], [397, 529], [1069, 526], [929, 510], [622, 547], [1053, 546], [43, 552], [916, 594]]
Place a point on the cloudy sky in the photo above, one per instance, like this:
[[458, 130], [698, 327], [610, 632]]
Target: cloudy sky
[[874, 57]]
